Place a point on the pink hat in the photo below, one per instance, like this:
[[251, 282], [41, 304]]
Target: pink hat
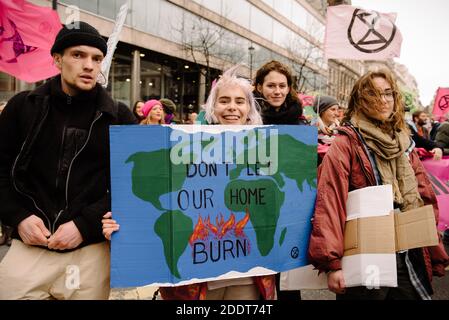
[[149, 105]]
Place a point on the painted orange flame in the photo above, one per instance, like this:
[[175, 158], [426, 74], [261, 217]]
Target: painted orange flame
[[199, 232], [203, 230], [211, 227], [227, 226]]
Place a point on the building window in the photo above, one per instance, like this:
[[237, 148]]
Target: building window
[[120, 79]]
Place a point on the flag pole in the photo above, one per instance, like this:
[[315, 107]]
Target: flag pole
[[112, 42]]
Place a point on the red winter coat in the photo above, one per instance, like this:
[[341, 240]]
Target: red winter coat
[[346, 167]]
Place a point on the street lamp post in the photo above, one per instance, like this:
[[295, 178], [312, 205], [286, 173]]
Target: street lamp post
[[251, 51]]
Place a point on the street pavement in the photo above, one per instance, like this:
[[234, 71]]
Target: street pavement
[[440, 285]]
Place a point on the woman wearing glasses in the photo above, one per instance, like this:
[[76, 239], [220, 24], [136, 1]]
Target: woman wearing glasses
[[373, 148]]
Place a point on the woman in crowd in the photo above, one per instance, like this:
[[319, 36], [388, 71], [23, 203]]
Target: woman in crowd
[[373, 148], [327, 109], [280, 105], [274, 93], [230, 103], [169, 110], [137, 110], [153, 112]]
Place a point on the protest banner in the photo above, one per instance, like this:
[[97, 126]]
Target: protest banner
[[359, 34], [197, 203]]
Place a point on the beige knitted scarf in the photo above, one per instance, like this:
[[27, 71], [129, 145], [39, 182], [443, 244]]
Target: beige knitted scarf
[[392, 162]]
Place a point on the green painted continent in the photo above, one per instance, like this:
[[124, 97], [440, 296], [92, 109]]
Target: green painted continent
[[174, 228], [263, 200], [290, 151], [154, 174]]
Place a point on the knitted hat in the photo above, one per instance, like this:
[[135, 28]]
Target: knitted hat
[[149, 105], [169, 109], [169, 105], [76, 34], [325, 102]]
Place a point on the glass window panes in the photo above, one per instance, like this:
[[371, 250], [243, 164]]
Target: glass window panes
[[89, 5], [284, 7], [150, 80], [261, 23], [214, 5], [106, 8], [140, 15], [282, 36], [120, 79], [171, 19], [155, 23], [72, 2], [237, 11], [299, 15]]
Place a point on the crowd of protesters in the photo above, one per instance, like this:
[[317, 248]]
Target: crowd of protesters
[[55, 192]]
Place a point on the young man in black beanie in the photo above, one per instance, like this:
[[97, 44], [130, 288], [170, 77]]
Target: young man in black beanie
[[54, 176]]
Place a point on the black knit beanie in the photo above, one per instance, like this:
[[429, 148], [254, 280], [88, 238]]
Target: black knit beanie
[[325, 103], [76, 34]]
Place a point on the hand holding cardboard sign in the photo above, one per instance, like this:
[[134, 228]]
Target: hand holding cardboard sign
[[109, 225], [336, 281]]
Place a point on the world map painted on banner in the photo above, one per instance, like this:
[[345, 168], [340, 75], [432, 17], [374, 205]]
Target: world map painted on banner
[[202, 220]]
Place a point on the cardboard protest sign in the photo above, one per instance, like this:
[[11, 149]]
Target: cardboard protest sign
[[197, 203]]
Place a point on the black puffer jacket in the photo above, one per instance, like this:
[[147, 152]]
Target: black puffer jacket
[[54, 158]]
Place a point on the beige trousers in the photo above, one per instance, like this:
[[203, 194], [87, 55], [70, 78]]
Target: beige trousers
[[241, 292], [29, 272]]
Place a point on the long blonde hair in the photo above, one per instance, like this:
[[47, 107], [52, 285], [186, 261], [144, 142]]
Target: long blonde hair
[[365, 98]]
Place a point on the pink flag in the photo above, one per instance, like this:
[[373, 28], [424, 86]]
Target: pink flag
[[27, 33], [306, 100], [438, 173], [15, 4], [358, 34], [441, 104]]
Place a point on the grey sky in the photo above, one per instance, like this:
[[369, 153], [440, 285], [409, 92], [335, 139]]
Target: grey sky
[[425, 47]]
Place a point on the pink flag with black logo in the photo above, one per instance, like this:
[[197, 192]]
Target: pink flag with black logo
[[441, 104], [359, 34], [27, 33]]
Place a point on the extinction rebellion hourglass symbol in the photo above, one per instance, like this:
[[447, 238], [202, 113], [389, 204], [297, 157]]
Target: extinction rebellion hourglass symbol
[[377, 32], [443, 103]]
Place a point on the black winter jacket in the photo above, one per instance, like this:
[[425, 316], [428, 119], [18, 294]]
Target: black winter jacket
[[421, 142], [442, 137], [84, 183], [289, 113]]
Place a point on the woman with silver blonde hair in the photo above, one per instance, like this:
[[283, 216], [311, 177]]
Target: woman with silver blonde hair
[[231, 101]]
